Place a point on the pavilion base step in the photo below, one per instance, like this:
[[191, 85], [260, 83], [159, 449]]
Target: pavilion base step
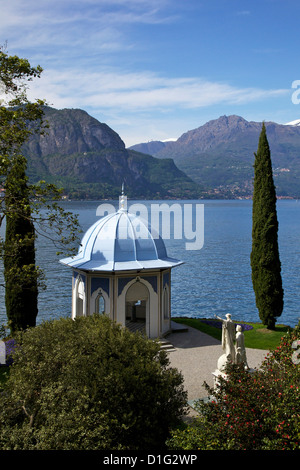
[[166, 345]]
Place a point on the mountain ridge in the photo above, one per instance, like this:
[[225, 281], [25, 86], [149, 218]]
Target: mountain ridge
[[220, 155], [89, 160]]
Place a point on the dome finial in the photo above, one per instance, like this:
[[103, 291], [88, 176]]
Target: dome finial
[[123, 200]]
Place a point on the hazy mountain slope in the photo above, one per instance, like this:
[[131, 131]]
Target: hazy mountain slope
[[220, 154]]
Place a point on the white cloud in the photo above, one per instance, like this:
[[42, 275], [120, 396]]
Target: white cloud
[[143, 106], [131, 92], [76, 40], [34, 24]]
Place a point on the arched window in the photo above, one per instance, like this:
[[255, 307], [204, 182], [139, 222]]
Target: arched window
[[79, 297], [100, 304]]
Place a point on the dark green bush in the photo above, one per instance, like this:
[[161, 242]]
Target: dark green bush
[[252, 411], [88, 384]]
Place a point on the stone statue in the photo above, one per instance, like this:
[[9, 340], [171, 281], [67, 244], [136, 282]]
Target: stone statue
[[228, 337], [240, 350], [233, 345]]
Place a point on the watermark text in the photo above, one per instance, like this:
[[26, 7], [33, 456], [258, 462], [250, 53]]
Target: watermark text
[[167, 221], [296, 93]]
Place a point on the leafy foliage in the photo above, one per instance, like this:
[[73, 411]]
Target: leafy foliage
[[251, 411], [89, 384]]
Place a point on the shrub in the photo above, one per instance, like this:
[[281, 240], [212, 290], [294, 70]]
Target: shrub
[[252, 411], [88, 384]]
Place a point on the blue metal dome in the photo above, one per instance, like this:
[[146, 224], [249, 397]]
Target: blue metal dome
[[120, 242]]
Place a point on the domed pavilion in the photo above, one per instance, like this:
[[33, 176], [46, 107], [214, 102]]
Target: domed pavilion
[[122, 270]]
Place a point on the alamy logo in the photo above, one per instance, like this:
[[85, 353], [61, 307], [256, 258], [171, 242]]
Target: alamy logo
[[296, 94], [178, 221]]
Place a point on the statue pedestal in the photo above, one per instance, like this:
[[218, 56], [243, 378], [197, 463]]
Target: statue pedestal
[[217, 374]]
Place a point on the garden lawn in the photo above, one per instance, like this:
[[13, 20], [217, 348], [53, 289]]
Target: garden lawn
[[257, 336]]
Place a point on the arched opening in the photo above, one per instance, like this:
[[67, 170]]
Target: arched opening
[[79, 298], [137, 307], [100, 304]]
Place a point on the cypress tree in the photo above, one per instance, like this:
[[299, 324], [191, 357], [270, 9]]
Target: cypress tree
[[265, 261], [20, 272]]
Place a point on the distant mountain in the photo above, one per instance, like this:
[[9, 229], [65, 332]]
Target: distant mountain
[[152, 147], [220, 155], [89, 160]]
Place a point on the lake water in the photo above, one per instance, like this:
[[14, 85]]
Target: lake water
[[213, 280]]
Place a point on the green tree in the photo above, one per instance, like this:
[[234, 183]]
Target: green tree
[[264, 258], [89, 384], [20, 271], [29, 209]]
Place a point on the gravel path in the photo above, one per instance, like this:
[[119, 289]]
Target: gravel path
[[196, 354]]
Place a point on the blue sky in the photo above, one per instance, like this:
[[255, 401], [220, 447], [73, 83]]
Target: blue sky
[[154, 69]]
